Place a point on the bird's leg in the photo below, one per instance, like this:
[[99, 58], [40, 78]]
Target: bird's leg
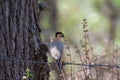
[[59, 64]]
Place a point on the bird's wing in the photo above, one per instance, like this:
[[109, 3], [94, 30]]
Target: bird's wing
[[60, 46]]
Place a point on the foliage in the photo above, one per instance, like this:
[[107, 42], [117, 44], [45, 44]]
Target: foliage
[[27, 75]]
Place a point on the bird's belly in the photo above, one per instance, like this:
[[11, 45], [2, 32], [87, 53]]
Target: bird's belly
[[55, 53]]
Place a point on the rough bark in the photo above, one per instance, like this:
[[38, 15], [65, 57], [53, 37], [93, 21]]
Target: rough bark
[[20, 34]]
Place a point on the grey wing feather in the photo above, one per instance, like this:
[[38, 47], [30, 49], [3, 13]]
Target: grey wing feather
[[58, 45]]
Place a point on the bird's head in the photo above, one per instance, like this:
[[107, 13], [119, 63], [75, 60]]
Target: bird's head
[[59, 35]]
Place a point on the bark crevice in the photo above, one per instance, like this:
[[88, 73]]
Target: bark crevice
[[20, 40]]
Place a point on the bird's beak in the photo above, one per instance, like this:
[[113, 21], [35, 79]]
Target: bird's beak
[[63, 36]]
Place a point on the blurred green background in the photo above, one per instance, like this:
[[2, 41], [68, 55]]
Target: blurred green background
[[103, 19]]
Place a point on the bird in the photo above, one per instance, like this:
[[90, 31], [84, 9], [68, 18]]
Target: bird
[[56, 49]]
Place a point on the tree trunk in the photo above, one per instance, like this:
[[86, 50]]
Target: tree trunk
[[20, 40]]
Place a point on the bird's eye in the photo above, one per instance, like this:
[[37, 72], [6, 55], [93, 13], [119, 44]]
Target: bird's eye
[[60, 35]]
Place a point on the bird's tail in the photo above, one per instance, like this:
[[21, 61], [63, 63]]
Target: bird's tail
[[59, 64]]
